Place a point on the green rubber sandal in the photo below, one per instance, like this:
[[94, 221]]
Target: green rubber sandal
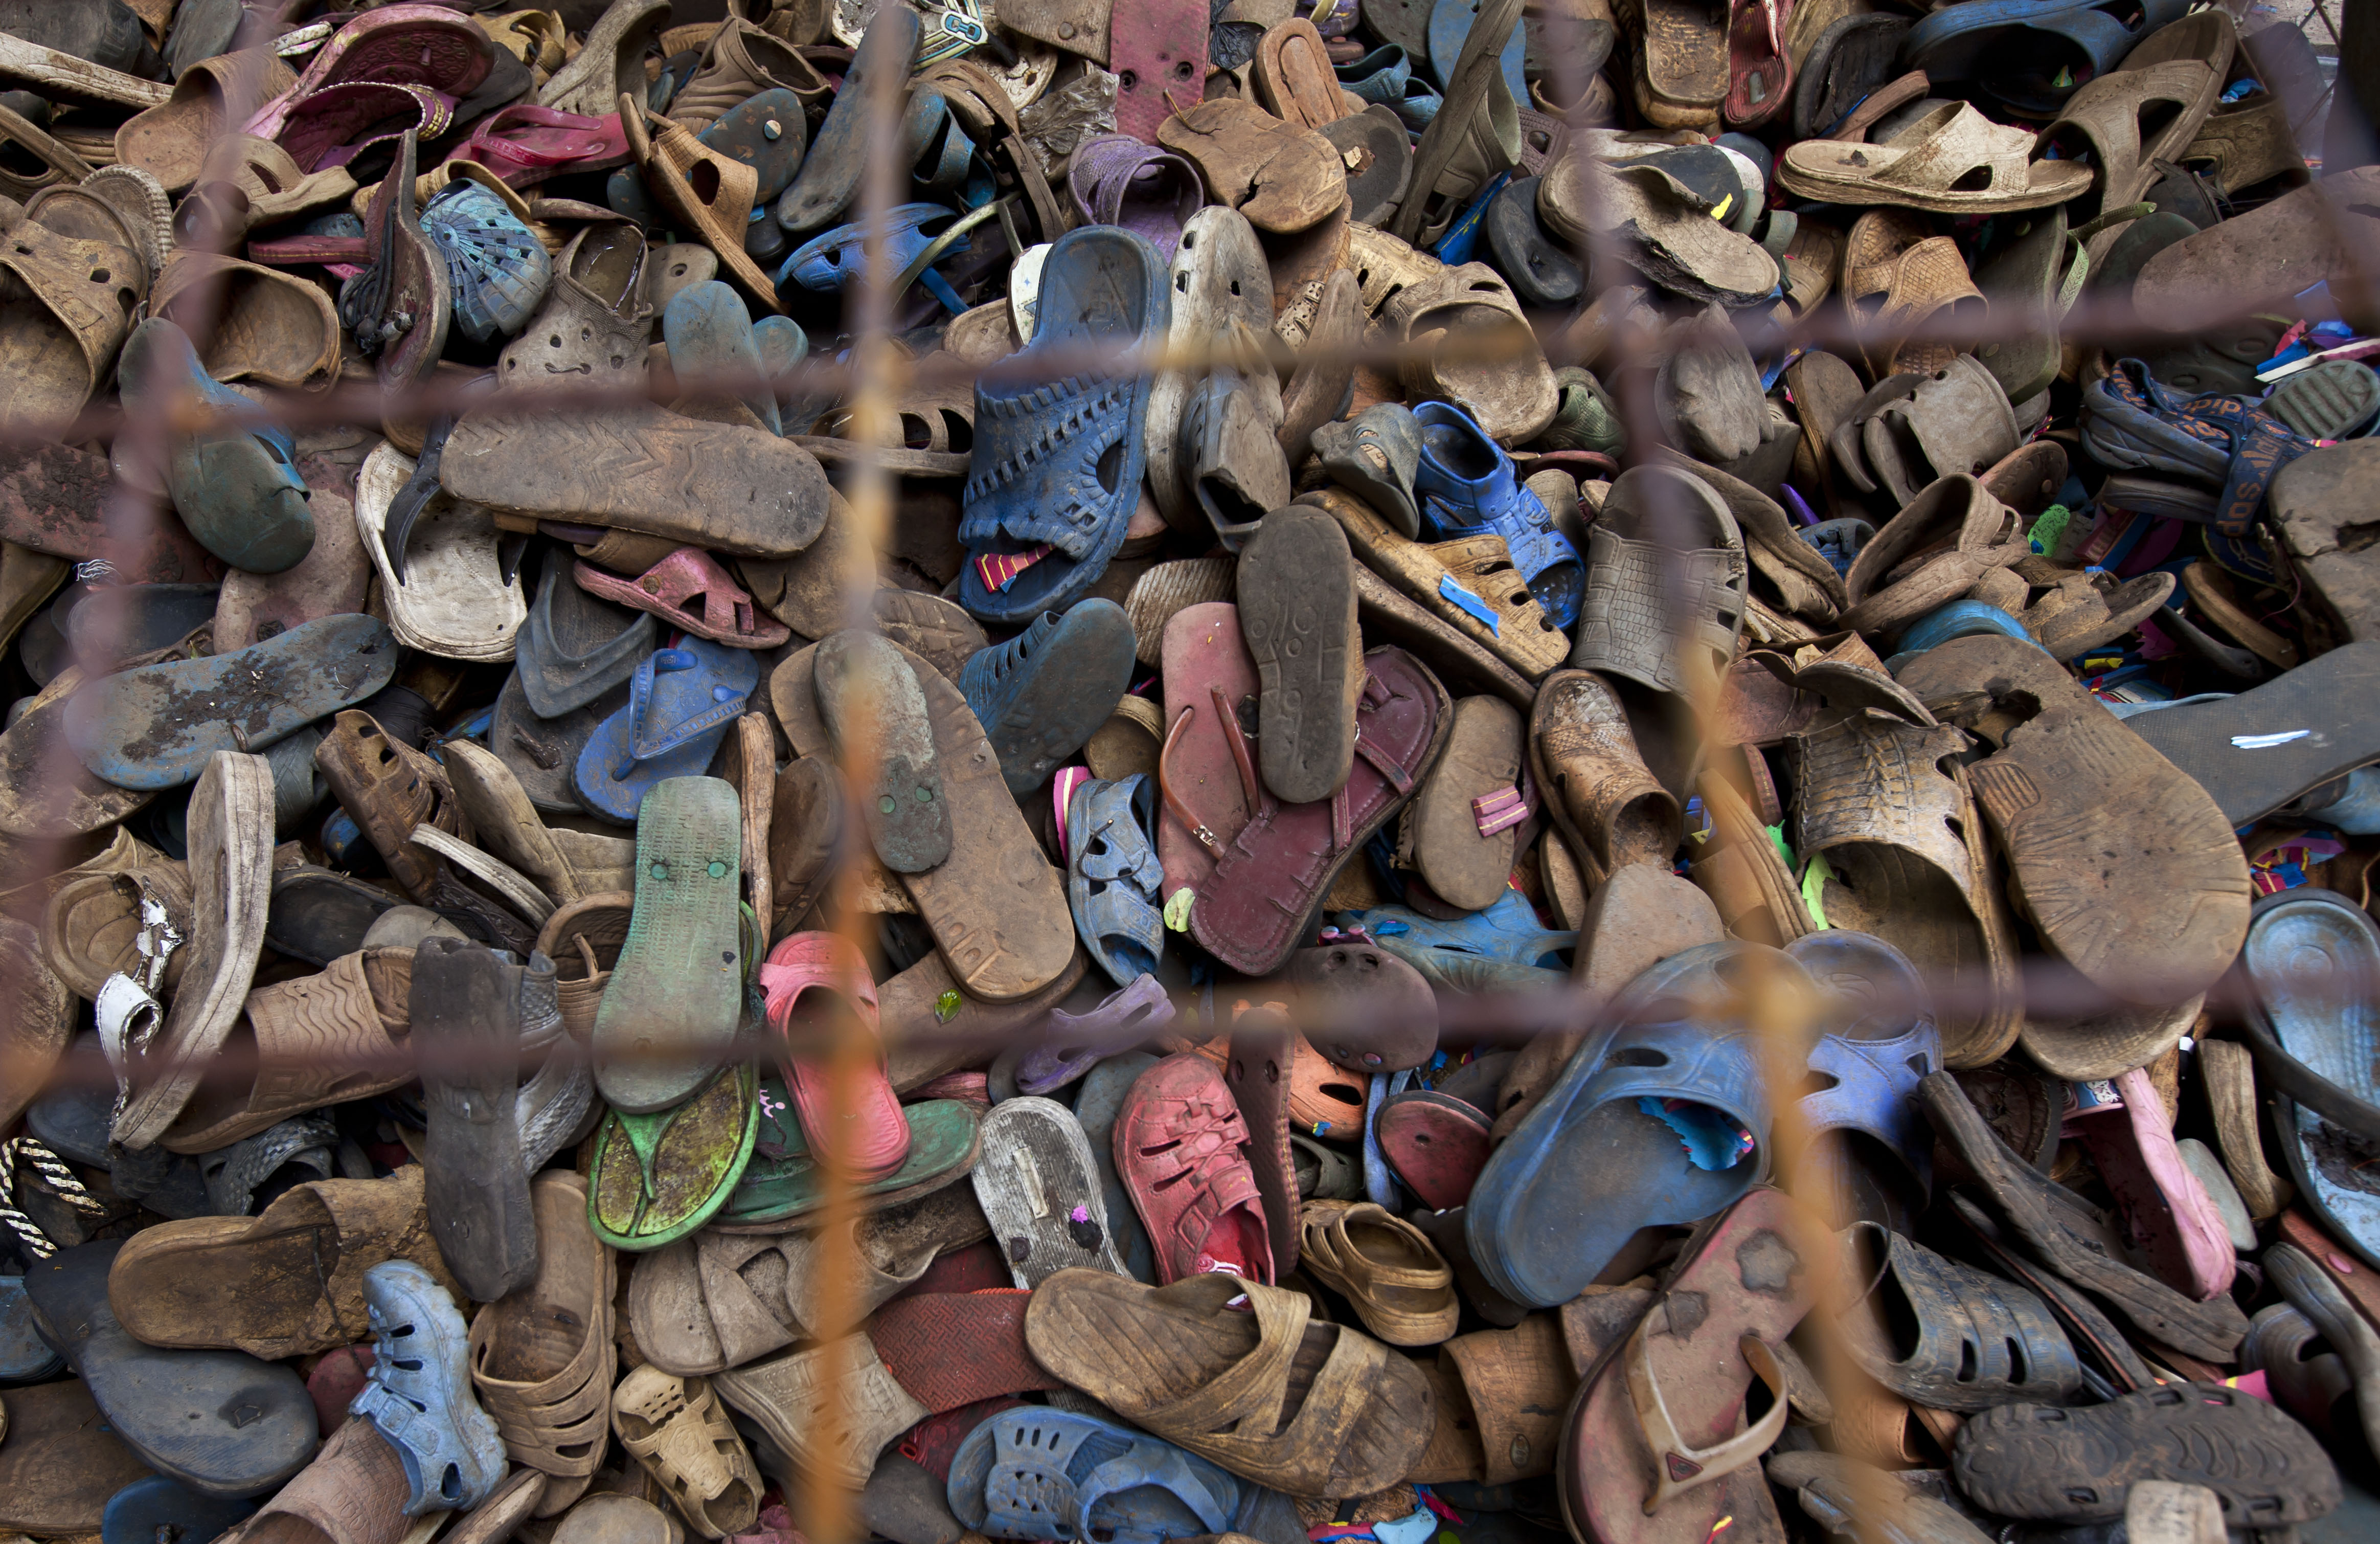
[[660, 1175], [670, 1011], [784, 1182]]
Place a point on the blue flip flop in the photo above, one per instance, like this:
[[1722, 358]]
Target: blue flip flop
[[1040, 1473], [1058, 458], [1112, 875], [681, 702], [154, 1508], [1663, 1117], [1881, 1041]]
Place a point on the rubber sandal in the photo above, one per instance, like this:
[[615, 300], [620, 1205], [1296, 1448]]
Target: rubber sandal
[[260, 325], [1205, 656], [2140, 964], [915, 1335], [177, 1410], [738, 63], [1037, 694], [1946, 1335], [465, 1012], [680, 703], [1846, 62], [2080, 1465], [1459, 827], [1899, 280], [1624, 1458], [390, 791], [2032, 54], [1906, 858], [1166, 589], [611, 62], [666, 587], [1072, 1044], [1511, 400], [1385, 78], [172, 141], [820, 962], [1117, 180], [656, 1177], [2331, 1314], [1363, 1419], [1719, 1132], [678, 1431], [1042, 1469], [1465, 486], [1704, 603], [1284, 177], [1227, 452], [1297, 569], [2169, 1219], [2229, 1072], [1436, 1144], [2101, 123], [1041, 1192], [722, 487], [1401, 1288], [1656, 225], [1058, 502], [1180, 1146], [1469, 587], [449, 594], [2036, 1216], [2246, 749], [828, 178], [596, 319], [1253, 924], [1292, 75], [1098, 1101], [237, 490], [997, 908], [1870, 1158], [230, 836], [1114, 876], [784, 1182], [226, 1282]]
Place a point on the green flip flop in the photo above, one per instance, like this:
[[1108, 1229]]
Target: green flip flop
[[669, 1014], [784, 1182], [660, 1174]]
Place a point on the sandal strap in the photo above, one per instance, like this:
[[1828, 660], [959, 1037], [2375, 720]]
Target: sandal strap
[[1251, 1390], [1678, 1466]]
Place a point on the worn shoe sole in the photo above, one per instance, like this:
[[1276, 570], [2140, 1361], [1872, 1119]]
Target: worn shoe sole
[[1297, 613], [2042, 1462]]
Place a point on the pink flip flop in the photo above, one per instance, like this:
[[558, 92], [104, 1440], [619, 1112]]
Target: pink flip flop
[[862, 1135], [2168, 1213], [665, 588], [525, 144]]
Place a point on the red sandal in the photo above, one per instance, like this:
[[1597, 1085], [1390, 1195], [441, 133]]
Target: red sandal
[[664, 589], [1182, 1150]]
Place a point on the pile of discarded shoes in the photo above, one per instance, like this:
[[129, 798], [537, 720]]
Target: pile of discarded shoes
[[1602, 771]]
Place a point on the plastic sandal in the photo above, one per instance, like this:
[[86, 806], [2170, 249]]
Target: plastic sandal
[[1436, 1144], [1056, 510], [1402, 1289], [1947, 1335], [1072, 1044], [677, 1428], [1506, 931], [665, 588], [1029, 1473], [1465, 486], [1117, 180], [419, 1391], [1041, 1191], [1180, 1145], [680, 703], [784, 1182], [2033, 54], [1678, 1084], [1114, 879], [853, 1125], [1042, 694]]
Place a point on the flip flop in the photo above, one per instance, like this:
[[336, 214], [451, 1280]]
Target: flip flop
[[657, 1177], [665, 588], [574, 647], [1297, 615], [220, 1422], [671, 1004], [1686, 1101], [784, 1182], [1460, 602], [1436, 1143], [2169, 1219], [1271, 881], [1041, 1191], [2252, 752], [997, 908], [449, 593], [680, 701]]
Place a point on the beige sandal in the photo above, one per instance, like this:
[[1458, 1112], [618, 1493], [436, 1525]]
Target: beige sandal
[[1929, 164], [1505, 383], [678, 1430], [542, 1357], [1364, 1418], [257, 323], [1402, 1288], [313, 1041], [1481, 567], [55, 351]]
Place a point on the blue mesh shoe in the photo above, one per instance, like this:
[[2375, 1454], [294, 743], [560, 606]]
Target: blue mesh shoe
[[1465, 486], [419, 1393], [496, 267]]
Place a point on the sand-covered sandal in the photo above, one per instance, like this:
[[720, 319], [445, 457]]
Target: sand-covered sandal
[[1197, 1370]]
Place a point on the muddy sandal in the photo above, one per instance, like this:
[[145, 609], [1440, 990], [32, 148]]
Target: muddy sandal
[[1946, 1335], [666, 588], [1041, 1191]]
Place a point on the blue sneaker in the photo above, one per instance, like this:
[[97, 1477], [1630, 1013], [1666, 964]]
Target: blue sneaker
[[1465, 486]]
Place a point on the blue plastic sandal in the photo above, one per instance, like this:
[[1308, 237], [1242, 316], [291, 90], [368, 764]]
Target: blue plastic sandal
[[417, 1393], [1040, 1473], [236, 486], [1113, 875], [838, 260], [1044, 693], [1880, 1043], [681, 702], [1386, 75], [2032, 54], [1663, 1119], [1465, 486], [1057, 464], [710, 333], [497, 268], [1506, 931]]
